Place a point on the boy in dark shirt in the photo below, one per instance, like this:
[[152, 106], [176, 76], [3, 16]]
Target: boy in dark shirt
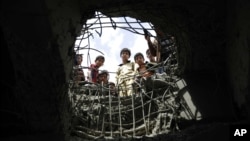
[[94, 68]]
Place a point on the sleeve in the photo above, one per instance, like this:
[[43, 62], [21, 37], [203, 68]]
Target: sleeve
[[135, 69], [117, 75], [136, 72], [136, 66]]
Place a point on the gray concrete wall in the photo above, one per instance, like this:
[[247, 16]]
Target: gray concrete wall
[[238, 53], [38, 39]]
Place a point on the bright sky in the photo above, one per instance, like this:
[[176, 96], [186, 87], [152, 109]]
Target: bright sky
[[110, 44]]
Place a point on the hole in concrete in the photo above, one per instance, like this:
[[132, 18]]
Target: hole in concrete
[[154, 105]]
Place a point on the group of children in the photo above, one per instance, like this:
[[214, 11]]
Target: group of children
[[126, 74], [128, 71]]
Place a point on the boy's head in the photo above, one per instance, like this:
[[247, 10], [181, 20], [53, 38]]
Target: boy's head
[[112, 84], [99, 60], [78, 59], [103, 76], [139, 58], [125, 53], [125, 50]]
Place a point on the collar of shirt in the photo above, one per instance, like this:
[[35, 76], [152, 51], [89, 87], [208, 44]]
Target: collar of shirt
[[126, 63], [93, 66]]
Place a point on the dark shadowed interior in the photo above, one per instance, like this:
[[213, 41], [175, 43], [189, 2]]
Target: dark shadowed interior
[[37, 41]]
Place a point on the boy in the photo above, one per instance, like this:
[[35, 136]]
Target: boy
[[103, 80], [103, 77], [78, 74], [125, 74], [142, 70], [161, 47], [94, 68]]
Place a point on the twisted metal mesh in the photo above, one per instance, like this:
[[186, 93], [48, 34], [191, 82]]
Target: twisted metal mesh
[[153, 108]]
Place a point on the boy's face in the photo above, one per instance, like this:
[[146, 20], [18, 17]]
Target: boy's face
[[79, 60], [99, 62], [103, 78], [125, 55], [139, 60]]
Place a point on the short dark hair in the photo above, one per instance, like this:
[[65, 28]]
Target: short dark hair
[[125, 50], [111, 83], [103, 72], [138, 54], [99, 57]]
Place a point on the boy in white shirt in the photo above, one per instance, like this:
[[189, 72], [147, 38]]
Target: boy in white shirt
[[125, 74]]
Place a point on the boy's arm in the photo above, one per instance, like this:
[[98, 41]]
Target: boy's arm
[[90, 71], [151, 46], [117, 75]]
